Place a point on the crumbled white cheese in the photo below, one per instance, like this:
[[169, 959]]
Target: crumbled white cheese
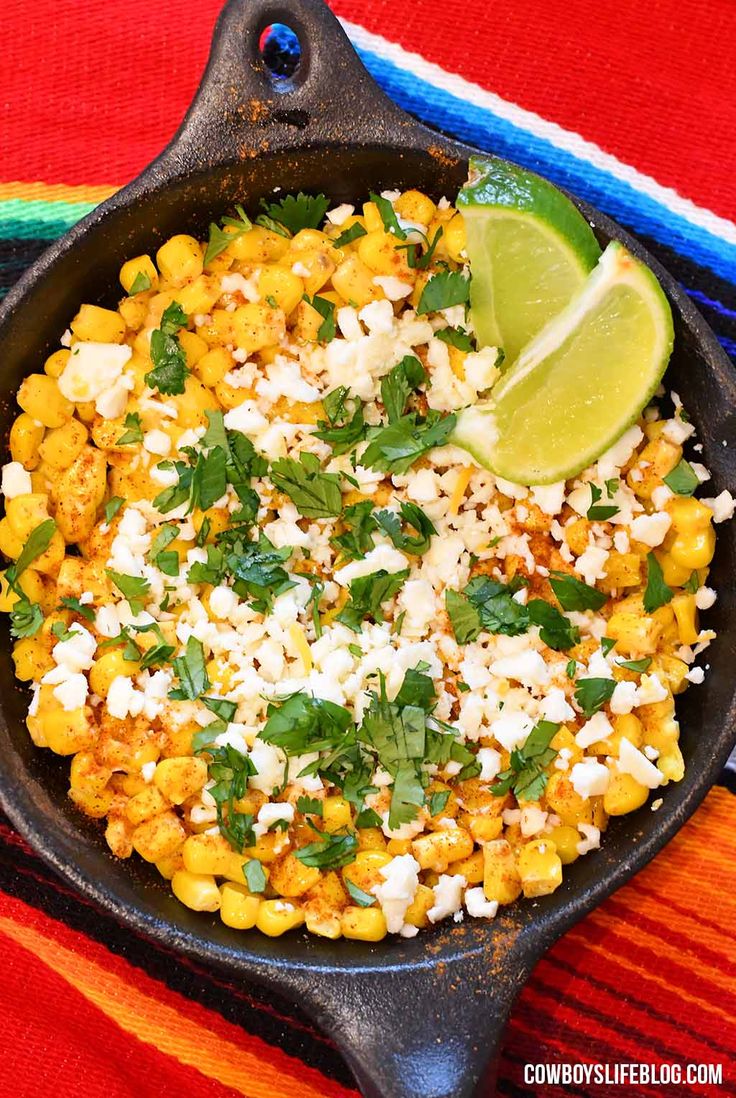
[[394, 288], [269, 814], [478, 906], [92, 369], [634, 762], [591, 839], [448, 896], [401, 880], [597, 728], [705, 597], [339, 215], [490, 763], [16, 481], [590, 778], [270, 764], [722, 506], [650, 529]]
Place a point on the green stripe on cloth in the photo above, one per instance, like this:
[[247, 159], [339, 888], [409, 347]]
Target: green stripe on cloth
[[22, 219]]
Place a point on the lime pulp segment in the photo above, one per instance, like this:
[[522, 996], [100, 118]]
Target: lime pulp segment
[[530, 251], [580, 382]]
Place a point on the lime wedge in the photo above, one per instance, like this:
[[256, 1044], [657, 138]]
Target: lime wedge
[[529, 248], [580, 382]]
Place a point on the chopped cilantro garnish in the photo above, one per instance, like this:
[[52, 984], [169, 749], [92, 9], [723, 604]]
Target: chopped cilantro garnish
[[221, 707], [314, 494], [638, 666], [68, 602], [354, 232], [326, 309], [388, 216], [309, 806], [345, 424], [455, 337], [170, 369], [361, 898], [255, 875], [444, 290], [683, 479], [607, 644], [592, 694], [556, 630], [296, 212], [398, 384], [112, 507], [571, 669], [329, 851], [219, 239], [367, 595], [257, 568], [191, 671], [573, 594], [420, 260], [526, 774], [26, 618], [132, 588], [140, 283], [230, 770], [656, 592], [692, 584], [600, 512], [437, 801], [395, 448], [414, 517]]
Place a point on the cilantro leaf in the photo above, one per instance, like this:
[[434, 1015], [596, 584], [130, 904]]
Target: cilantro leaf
[[255, 875], [638, 666], [38, 542], [222, 708], [437, 801], [407, 795], [414, 517], [420, 260], [456, 337], [309, 806], [396, 386], [360, 524], [361, 898], [656, 593], [556, 630], [219, 239], [191, 671], [140, 283], [329, 851], [297, 212], [345, 424], [170, 369], [134, 431], [301, 723], [395, 448], [112, 507], [229, 769], [388, 216], [132, 588], [526, 774], [573, 594], [77, 607], [600, 512], [592, 694], [367, 595], [259, 573], [607, 645], [692, 584], [683, 479], [464, 617], [498, 610], [353, 232], [326, 309], [315, 494], [443, 290], [26, 618]]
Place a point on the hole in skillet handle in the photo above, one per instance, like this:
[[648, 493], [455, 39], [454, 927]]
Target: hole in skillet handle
[[280, 51]]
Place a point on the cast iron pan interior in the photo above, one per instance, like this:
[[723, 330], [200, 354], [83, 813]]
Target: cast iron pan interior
[[413, 1018]]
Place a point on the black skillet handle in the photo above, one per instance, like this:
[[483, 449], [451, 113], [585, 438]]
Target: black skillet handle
[[240, 111], [430, 1029]]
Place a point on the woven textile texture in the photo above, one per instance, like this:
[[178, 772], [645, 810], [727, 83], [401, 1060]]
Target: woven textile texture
[[632, 107]]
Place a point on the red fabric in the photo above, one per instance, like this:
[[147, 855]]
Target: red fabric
[[654, 83]]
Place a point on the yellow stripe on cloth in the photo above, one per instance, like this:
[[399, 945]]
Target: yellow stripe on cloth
[[159, 1025], [54, 192]]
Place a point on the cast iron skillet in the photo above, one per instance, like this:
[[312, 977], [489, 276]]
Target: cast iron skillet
[[419, 1018]]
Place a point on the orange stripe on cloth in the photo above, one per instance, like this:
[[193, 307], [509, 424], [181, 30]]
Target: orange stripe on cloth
[[173, 1025], [54, 192]]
